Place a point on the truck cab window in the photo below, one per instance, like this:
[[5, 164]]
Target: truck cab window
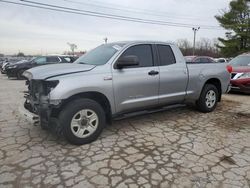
[[166, 55], [144, 54]]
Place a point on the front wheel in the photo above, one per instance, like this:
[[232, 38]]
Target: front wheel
[[208, 98], [82, 121]]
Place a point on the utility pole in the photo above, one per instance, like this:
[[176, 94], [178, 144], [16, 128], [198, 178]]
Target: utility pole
[[195, 30], [105, 40]]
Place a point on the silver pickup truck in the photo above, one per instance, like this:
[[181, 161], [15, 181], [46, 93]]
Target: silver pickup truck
[[116, 79]]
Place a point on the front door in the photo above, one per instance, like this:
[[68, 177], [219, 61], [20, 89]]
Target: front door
[[136, 87]]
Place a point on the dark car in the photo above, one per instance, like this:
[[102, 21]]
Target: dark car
[[199, 59], [240, 77], [17, 69], [6, 63]]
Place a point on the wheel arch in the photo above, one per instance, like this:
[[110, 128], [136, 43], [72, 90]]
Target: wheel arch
[[217, 83], [96, 96]]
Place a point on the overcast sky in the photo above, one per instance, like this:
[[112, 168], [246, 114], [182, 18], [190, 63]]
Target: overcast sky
[[36, 31]]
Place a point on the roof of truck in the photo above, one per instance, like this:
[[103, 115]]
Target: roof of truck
[[139, 41]]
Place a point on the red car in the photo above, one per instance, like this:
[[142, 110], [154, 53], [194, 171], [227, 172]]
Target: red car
[[199, 59], [240, 79]]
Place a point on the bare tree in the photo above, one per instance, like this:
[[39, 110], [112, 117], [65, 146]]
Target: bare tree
[[184, 45], [204, 47], [72, 47]]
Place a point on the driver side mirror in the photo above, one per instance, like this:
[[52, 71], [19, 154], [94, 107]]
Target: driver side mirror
[[126, 61]]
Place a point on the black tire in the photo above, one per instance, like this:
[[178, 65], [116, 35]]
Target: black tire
[[74, 107], [201, 103]]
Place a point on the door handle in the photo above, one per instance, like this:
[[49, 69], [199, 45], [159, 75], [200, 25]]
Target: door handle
[[153, 72]]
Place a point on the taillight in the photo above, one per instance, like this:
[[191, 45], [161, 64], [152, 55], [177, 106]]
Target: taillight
[[229, 68]]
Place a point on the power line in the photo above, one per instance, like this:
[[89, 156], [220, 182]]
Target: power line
[[101, 15], [133, 10], [87, 14], [112, 15], [118, 16]]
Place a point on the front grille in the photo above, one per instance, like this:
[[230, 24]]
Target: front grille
[[35, 89]]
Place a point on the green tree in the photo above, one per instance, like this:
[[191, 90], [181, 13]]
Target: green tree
[[237, 21]]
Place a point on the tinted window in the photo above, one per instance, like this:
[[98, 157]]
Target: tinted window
[[166, 55], [203, 60], [197, 60], [211, 60], [40, 60], [221, 61], [143, 53], [52, 59]]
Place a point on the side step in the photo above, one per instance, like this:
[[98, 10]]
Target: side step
[[149, 111]]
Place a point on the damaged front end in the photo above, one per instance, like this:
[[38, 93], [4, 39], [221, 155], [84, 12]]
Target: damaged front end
[[38, 100]]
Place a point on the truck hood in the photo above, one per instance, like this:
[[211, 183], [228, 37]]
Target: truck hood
[[49, 71]]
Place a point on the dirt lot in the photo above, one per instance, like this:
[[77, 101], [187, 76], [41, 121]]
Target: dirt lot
[[174, 148]]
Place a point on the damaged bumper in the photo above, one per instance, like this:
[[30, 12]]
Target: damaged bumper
[[43, 111], [38, 102]]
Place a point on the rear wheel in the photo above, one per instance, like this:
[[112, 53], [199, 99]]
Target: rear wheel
[[208, 98], [82, 121]]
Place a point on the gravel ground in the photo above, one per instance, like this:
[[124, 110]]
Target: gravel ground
[[176, 148]]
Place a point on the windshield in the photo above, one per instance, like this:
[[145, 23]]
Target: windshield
[[240, 61], [100, 55]]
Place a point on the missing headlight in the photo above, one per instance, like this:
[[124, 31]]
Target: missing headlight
[[49, 86]]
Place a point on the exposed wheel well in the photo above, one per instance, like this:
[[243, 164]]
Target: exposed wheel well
[[96, 96], [216, 82]]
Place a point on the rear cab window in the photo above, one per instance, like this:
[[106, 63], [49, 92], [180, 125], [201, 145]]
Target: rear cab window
[[166, 55]]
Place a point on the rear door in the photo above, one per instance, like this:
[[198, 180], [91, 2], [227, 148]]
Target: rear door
[[173, 76], [136, 87]]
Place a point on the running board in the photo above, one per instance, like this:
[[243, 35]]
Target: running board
[[149, 111]]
